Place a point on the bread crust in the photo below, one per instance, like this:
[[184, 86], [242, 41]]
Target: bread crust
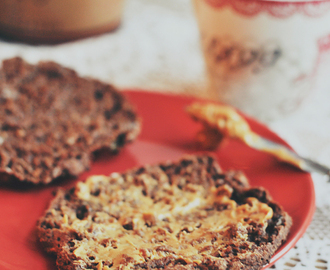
[[235, 246], [52, 121]]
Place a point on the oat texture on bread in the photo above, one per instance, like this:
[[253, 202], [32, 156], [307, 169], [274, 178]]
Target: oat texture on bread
[[52, 121], [187, 214]]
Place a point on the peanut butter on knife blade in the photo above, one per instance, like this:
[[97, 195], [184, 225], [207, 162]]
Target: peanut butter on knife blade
[[221, 121]]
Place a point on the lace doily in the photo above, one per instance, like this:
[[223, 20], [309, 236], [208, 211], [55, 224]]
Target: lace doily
[[157, 48]]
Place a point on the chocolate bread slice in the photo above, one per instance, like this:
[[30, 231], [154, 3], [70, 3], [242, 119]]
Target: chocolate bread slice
[[52, 121], [183, 215]]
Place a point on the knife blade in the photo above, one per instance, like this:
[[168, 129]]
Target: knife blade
[[285, 154], [221, 121]]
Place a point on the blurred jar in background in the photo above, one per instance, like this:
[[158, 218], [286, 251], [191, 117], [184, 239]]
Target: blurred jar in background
[[263, 56], [54, 21]]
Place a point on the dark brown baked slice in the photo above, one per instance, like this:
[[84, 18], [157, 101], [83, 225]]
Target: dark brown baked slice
[[183, 215], [52, 120]]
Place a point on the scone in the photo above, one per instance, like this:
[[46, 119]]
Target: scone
[[52, 121], [187, 214]]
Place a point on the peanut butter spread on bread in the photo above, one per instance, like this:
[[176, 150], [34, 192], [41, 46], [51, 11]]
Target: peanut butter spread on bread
[[187, 214], [177, 221]]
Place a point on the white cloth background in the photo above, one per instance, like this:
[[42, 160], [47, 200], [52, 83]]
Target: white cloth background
[[157, 48]]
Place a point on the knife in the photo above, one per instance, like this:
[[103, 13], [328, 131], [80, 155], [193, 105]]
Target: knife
[[285, 154], [221, 121]]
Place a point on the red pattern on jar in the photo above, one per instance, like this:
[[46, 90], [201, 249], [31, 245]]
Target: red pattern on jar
[[274, 8]]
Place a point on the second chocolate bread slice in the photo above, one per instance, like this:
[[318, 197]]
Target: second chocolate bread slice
[[52, 121]]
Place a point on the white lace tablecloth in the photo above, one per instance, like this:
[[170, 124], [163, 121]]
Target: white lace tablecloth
[[157, 48]]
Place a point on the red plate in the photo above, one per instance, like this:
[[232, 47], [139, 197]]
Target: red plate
[[167, 133]]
